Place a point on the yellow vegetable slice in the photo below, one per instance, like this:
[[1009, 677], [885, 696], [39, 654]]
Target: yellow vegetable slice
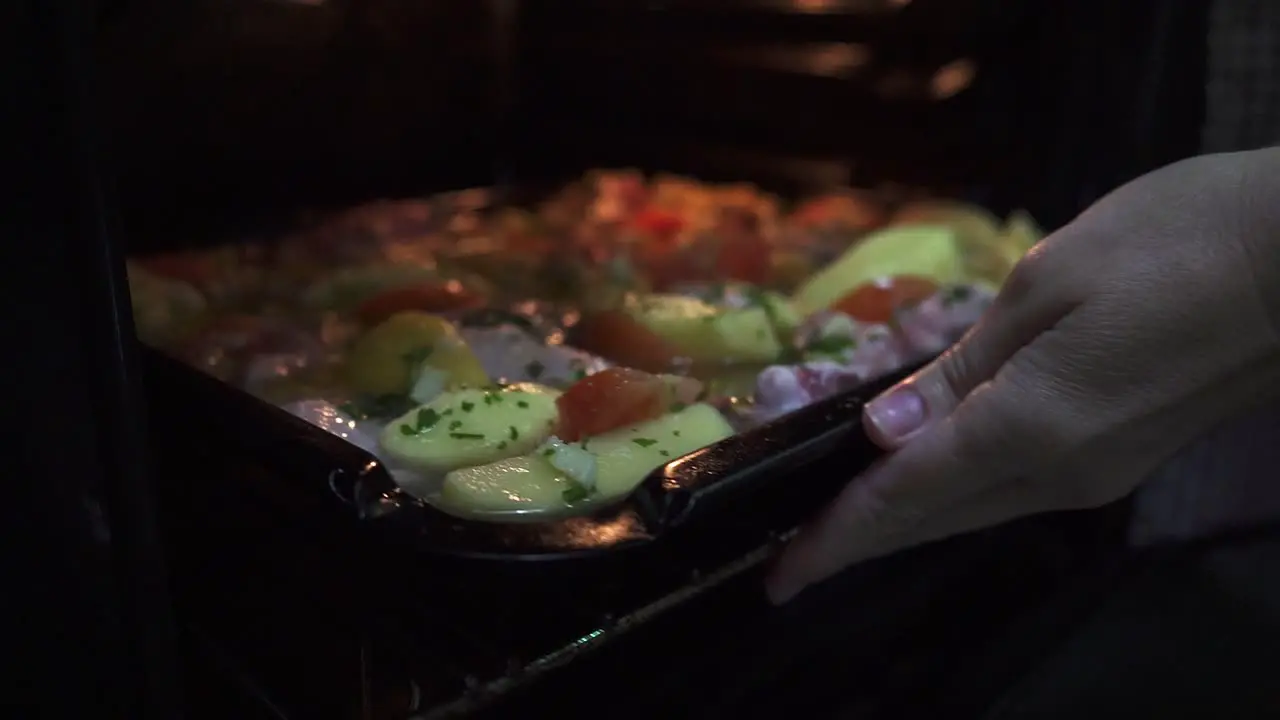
[[469, 427], [532, 486], [385, 359], [707, 333], [929, 251]]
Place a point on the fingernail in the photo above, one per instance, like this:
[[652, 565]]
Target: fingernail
[[897, 413]]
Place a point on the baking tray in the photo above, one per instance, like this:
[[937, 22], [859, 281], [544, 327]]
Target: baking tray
[[745, 489]]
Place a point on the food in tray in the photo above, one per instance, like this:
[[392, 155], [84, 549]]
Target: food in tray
[[164, 308], [596, 470], [412, 354], [473, 426], [519, 364]]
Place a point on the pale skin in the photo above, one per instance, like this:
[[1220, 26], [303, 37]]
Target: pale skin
[[1145, 322]]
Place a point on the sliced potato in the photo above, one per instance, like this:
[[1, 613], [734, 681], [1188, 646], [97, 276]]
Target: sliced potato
[[1021, 232], [990, 248], [384, 360], [623, 458], [930, 251], [469, 427], [706, 333]]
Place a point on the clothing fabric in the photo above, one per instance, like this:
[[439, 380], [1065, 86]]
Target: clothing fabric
[[1243, 75]]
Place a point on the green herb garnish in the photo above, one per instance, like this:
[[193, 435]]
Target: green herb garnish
[[574, 493], [466, 436], [664, 453], [502, 445], [522, 404], [455, 424], [676, 433], [956, 294], [407, 430], [468, 406], [644, 442], [831, 345], [427, 418], [513, 433]]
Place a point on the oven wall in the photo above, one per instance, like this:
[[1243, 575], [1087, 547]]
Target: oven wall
[[232, 114], [805, 93], [227, 113]]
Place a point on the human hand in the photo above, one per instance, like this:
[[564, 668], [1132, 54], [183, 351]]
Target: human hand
[[1118, 339]]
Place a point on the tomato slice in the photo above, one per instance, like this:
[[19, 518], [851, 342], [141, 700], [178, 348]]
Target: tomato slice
[[615, 335], [878, 300], [618, 397], [430, 297], [663, 224]]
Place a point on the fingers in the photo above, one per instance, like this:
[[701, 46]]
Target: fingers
[[817, 553], [1027, 306], [999, 432]]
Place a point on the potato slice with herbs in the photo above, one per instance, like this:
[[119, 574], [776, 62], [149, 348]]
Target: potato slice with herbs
[[623, 458], [471, 427], [388, 358]]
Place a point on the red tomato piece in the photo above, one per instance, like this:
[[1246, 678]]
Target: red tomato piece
[[663, 224], [615, 335], [431, 297], [618, 397], [877, 301]]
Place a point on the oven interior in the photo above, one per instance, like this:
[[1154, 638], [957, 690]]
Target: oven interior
[[228, 119]]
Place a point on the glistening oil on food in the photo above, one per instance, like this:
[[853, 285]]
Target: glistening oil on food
[[514, 364]]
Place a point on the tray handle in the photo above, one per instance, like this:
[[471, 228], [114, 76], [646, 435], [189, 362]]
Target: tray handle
[[780, 473]]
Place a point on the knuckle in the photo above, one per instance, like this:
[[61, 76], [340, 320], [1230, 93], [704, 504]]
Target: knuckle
[[1024, 278], [1046, 274], [955, 373]]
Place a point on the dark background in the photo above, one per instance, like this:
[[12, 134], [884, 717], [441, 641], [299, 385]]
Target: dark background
[[226, 115]]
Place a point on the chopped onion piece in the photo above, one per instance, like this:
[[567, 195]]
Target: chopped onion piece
[[838, 325], [428, 384], [572, 460]]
